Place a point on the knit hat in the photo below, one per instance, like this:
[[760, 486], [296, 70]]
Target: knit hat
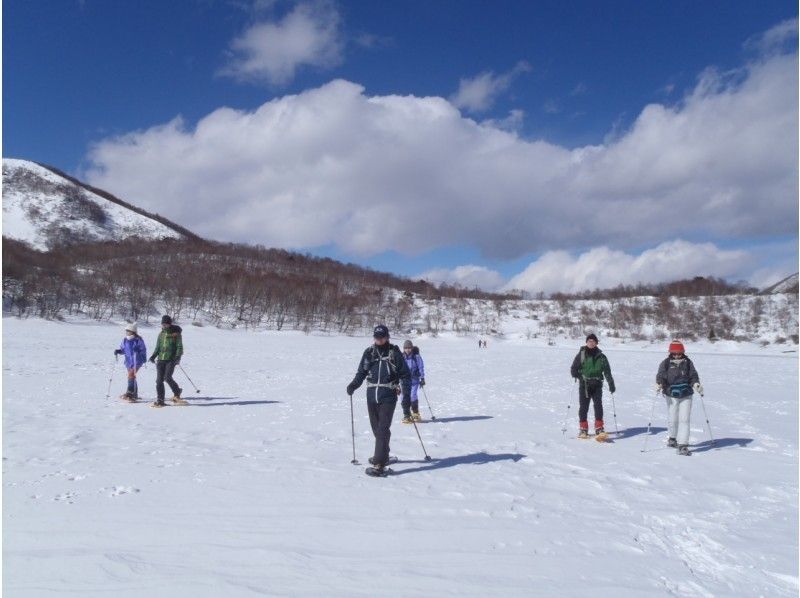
[[676, 346], [408, 345], [592, 337], [380, 331], [166, 320], [132, 328]]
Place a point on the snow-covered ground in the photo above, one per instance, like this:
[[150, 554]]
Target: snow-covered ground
[[250, 490]]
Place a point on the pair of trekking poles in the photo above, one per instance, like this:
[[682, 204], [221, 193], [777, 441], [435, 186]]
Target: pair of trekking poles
[[569, 406], [113, 368], [422, 444]]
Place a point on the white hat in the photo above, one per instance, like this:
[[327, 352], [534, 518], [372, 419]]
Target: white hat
[[132, 328]]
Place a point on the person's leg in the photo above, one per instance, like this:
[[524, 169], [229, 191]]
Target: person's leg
[[683, 416], [415, 398], [583, 406], [168, 371], [161, 366], [131, 392], [385, 413], [597, 400], [672, 417]]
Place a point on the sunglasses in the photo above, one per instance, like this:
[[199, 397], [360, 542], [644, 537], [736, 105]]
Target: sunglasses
[[676, 354]]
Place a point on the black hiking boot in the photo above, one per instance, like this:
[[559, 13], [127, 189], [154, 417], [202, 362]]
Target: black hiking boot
[[672, 443], [683, 449]]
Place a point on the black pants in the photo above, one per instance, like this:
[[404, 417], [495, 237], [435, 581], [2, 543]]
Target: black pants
[[380, 418], [591, 390], [165, 370]]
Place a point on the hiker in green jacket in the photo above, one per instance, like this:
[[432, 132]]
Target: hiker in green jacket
[[589, 367], [169, 348]]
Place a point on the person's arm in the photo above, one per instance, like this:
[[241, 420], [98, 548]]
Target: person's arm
[[403, 373], [157, 350], [575, 370], [661, 376], [178, 346], [141, 350], [607, 373], [361, 374], [421, 367]]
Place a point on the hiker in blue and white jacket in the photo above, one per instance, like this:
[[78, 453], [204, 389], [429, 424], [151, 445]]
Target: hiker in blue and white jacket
[[678, 379], [416, 366], [135, 352]]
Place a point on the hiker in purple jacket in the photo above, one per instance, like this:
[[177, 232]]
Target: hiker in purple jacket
[[416, 366], [135, 352]]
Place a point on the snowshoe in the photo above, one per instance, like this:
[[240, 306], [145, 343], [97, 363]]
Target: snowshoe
[[601, 436], [392, 460], [583, 434], [683, 449], [158, 404], [176, 400], [417, 417], [378, 472], [128, 397], [672, 443], [407, 419]]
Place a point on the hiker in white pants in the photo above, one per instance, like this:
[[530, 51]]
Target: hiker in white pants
[[678, 380]]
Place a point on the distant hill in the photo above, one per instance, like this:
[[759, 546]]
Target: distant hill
[[47, 208], [787, 285]]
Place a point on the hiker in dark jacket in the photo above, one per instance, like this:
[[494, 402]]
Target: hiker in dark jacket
[[677, 378], [589, 367], [383, 367], [168, 351]]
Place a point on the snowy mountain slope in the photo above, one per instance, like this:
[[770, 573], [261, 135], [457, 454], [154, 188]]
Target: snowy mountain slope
[[44, 208], [250, 491], [787, 285]]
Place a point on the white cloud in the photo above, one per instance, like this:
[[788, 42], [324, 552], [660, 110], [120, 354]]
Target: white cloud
[[512, 122], [369, 174], [480, 92], [272, 51], [603, 268], [774, 39], [466, 276]]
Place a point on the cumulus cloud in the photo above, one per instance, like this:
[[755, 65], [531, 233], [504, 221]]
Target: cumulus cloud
[[368, 174], [775, 39], [272, 51], [480, 92], [466, 276], [602, 267]]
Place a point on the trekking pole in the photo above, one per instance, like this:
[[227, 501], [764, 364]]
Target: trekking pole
[[652, 413], [566, 416], [353, 431], [708, 424], [425, 394], [189, 379], [614, 411], [427, 456], [111, 376]]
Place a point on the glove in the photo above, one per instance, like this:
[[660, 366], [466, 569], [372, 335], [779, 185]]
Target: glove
[[698, 388], [658, 388], [612, 388], [152, 359], [118, 351], [177, 361], [422, 381], [351, 388]]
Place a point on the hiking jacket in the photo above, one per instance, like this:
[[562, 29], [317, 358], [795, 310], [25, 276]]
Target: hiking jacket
[[135, 351], [587, 367], [385, 371], [677, 376], [169, 346], [416, 366]]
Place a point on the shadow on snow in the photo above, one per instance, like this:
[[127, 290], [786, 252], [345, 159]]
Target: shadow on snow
[[630, 432], [707, 445], [225, 401], [471, 459], [462, 418]]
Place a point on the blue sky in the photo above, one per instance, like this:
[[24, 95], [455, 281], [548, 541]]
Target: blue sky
[[555, 77]]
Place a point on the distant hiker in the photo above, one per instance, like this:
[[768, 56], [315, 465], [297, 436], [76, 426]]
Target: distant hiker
[[387, 375], [678, 380], [169, 348], [589, 367], [480, 344], [416, 366], [135, 352]]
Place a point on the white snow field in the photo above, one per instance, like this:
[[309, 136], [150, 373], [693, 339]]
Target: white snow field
[[249, 491]]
